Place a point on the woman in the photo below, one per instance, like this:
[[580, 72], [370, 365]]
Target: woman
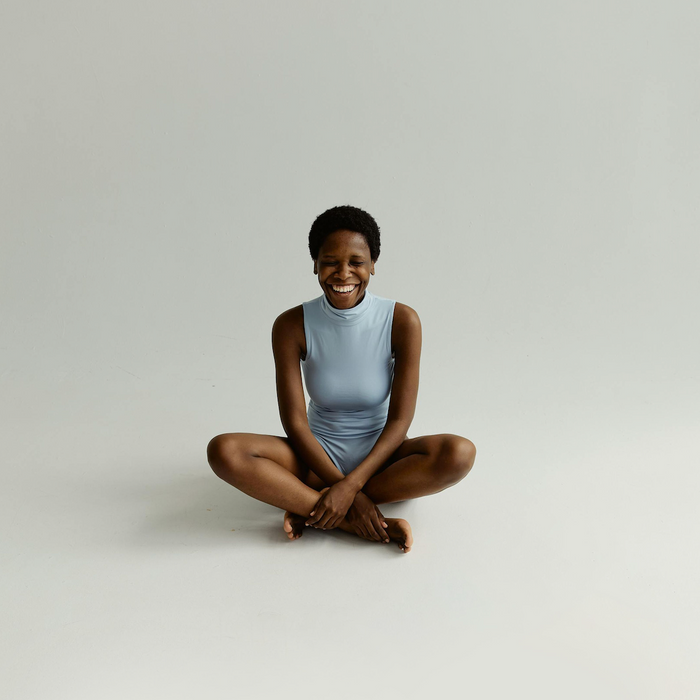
[[360, 355]]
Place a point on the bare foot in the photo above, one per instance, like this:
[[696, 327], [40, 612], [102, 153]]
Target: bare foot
[[400, 532], [293, 525]]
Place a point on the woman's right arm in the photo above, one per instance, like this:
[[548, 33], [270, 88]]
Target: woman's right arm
[[287, 339]]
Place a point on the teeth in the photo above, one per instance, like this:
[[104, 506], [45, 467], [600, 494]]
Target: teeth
[[343, 289]]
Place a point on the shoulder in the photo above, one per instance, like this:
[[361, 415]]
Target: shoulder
[[406, 318], [288, 329], [289, 318], [406, 329]]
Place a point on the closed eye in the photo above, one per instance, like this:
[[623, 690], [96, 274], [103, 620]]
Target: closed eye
[[331, 264]]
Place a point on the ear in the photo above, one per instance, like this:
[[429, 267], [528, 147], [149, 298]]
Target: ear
[[371, 268], [315, 268]]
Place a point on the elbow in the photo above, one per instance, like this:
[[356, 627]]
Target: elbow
[[401, 423], [294, 426]]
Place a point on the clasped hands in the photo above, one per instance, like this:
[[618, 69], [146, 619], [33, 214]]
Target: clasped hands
[[344, 500]]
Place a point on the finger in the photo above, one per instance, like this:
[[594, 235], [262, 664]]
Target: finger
[[381, 517], [324, 519], [366, 535], [316, 514], [381, 523], [334, 521], [375, 535], [362, 531], [329, 522], [315, 511], [380, 529], [377, 525]]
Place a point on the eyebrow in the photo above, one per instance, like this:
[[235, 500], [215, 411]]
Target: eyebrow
[[354, 255]]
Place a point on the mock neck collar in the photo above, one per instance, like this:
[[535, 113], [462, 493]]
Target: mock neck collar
[[347, 317]]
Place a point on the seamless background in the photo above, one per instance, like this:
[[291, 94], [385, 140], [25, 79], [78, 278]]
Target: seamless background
[[534, 168]]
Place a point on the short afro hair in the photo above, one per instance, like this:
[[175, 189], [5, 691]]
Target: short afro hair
[[344, 218]]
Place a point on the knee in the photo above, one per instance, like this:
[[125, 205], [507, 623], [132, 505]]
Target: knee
[[223, 453], [457, 455]]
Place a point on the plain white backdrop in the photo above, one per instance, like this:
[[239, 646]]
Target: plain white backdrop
[[534, 168]]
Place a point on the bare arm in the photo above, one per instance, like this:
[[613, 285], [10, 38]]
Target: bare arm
[[287, 339], [407, 340]]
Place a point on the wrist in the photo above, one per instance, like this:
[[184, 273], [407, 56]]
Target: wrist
[[353, 484]]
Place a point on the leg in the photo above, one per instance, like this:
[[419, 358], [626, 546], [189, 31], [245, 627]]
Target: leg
[[422, 466], [267, 468]]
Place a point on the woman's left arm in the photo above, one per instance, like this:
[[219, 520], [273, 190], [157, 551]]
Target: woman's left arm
[[406, 338]]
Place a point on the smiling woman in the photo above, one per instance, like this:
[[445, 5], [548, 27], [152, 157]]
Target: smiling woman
[[348, 451]]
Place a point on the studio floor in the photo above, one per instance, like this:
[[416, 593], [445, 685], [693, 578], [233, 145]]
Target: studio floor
[[563, 566]]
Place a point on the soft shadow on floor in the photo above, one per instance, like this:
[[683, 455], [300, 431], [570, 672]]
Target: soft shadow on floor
[[210, 512], [209, 509], [169, 506]]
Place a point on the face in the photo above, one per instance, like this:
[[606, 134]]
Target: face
[[344, 261]]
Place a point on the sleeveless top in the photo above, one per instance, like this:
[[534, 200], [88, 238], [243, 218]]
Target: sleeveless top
[[348, 372]]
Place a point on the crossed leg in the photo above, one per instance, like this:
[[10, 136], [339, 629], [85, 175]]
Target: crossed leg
[[267, 468]]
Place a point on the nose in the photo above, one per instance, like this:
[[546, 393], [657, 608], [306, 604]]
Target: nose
[[343, 271]]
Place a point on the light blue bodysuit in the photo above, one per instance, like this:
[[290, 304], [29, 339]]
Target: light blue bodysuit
[[348, 371]]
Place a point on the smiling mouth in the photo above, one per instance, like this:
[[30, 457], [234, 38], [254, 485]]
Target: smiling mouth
[[342, 290]]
